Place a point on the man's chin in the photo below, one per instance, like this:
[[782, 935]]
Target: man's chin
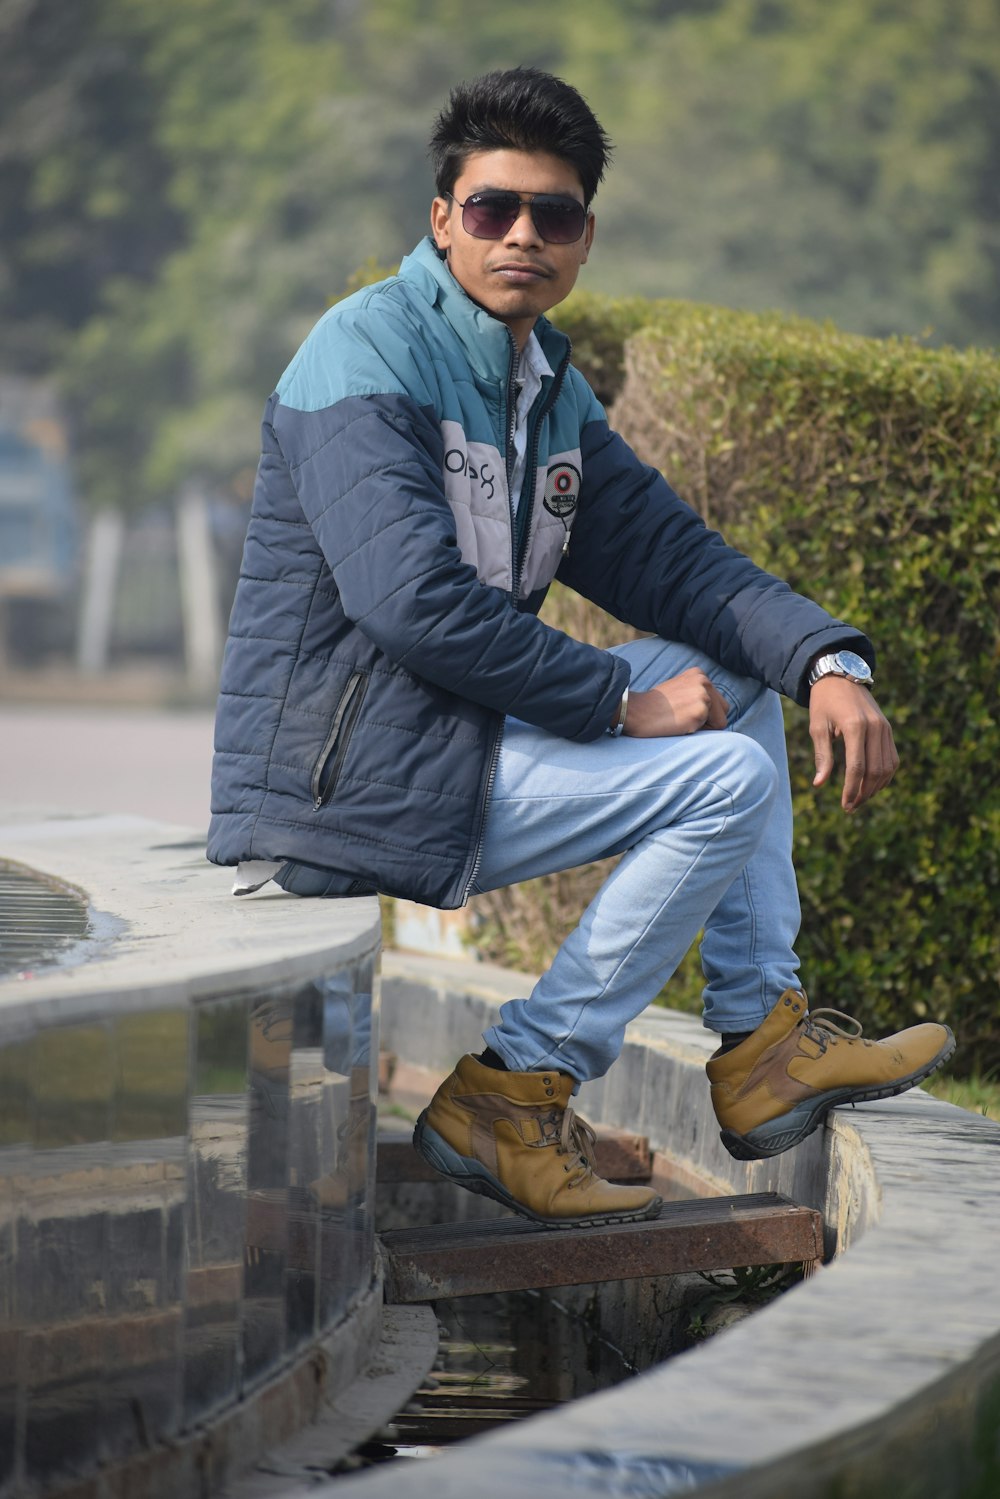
[[517, 308]]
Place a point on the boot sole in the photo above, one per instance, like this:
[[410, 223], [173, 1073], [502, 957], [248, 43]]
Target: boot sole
[[789, 1130], [474, 1177]]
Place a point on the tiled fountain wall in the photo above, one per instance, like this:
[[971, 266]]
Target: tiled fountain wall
[[185, 1207]]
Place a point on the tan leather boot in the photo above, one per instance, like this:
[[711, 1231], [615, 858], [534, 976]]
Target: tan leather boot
[[512, 1136], [774, 1088]]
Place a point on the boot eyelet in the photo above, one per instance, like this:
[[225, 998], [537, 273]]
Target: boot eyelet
[[550, 1092]]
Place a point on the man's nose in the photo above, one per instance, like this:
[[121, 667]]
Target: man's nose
[[523, 231]]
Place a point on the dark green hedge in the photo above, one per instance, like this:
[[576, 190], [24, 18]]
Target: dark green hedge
[[864, 472]]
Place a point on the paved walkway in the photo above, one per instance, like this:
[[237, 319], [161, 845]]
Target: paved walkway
[[82, 761]]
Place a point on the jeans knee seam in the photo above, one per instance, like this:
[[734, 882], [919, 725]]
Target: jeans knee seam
[[613, 976]]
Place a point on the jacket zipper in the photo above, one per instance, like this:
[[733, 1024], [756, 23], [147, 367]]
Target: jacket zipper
[[491, 777], [340, 734], [519, 546], [510, 423]]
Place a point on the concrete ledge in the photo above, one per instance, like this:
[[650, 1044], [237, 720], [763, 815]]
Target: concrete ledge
[[879, 1375], [164, 923]]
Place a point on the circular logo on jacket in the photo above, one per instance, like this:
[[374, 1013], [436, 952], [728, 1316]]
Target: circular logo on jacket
[[562, 489]]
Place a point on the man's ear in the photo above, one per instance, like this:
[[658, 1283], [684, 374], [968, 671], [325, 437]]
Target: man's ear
[[588, 238], [441, 222]]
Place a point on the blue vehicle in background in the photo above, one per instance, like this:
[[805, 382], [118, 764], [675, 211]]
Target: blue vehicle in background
[[39, 525]]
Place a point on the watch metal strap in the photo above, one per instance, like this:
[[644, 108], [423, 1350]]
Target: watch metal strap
[[828, 666]]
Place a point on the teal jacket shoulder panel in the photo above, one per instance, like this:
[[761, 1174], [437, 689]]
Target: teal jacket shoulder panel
[[418, 335]]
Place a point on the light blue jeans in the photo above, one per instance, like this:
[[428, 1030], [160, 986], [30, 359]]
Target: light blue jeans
[[705, 824]]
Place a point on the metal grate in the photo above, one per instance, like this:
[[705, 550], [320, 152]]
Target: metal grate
[[40, 920]]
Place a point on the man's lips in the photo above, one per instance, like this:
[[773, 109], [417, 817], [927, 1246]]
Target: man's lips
[[521, 271]]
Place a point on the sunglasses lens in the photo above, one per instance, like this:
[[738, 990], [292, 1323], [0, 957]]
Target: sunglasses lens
[[490, 215], [559, 221]]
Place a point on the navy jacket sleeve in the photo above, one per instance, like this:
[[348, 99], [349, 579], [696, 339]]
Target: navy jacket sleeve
[[642, 554]]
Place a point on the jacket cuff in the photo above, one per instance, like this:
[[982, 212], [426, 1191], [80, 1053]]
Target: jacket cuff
[[604, 710]]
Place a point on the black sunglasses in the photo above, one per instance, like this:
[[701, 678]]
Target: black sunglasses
[[559, 220]]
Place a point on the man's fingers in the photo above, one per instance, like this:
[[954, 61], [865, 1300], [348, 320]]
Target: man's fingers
[[881, 764], [718, 709], [871, 762], [823, 751], [862, 757], [679, 705], [890, 757], [854, 778]]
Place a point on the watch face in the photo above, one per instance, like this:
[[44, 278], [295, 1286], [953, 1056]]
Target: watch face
[[853, 665]]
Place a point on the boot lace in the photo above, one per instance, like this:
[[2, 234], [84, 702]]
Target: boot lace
[[572, 1135], [822, 1027]]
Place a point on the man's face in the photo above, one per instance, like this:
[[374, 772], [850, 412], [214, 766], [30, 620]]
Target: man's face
[[520, 276]]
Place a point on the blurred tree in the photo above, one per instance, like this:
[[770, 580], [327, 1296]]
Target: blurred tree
[[81, 176], [183, 188], [837, 161]]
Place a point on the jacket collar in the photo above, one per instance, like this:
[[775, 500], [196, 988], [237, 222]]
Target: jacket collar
[[485, 339]]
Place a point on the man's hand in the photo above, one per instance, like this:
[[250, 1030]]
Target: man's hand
[[680, 705], [839, 709]]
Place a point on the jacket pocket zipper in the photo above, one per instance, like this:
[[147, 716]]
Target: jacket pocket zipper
[[337, 740]]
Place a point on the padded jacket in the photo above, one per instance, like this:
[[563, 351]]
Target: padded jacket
[[385, 619]]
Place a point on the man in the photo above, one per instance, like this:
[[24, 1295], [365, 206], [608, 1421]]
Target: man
[[394, 716]]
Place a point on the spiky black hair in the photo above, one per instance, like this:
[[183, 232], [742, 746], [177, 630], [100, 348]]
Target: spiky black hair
[[520, 109]]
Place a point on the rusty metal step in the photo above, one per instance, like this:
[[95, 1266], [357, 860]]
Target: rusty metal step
[[717, 1233], [621, 1156]]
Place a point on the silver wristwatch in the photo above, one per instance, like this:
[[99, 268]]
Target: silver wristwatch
[[842, 664]]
